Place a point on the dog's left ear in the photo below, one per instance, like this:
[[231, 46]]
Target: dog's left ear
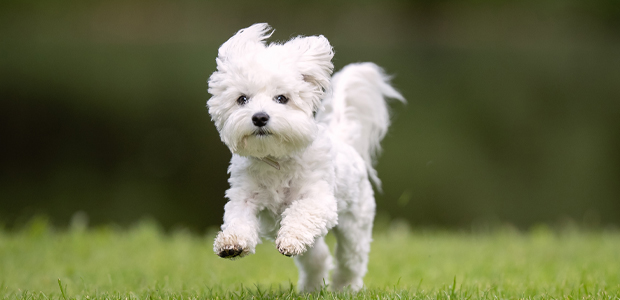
[[314, 61]]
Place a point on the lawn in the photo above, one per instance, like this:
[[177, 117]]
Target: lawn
[[144, 262]]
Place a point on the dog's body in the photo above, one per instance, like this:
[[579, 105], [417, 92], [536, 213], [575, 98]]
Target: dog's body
[[293, 175]]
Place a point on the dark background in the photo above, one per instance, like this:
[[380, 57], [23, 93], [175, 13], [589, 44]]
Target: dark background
[[513, 114]]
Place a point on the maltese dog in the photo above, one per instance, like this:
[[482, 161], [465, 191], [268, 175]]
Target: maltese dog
[[303, 146]]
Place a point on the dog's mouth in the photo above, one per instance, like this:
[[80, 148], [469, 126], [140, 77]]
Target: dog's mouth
[[262, 132]]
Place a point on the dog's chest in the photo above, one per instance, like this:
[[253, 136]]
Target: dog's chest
[[277, 190]]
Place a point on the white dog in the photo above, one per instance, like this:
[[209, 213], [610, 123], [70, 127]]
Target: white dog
[[294, 175]]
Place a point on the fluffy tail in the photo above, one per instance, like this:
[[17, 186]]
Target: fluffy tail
[[357, 112]]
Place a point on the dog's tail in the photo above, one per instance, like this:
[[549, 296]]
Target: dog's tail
[[357, 111]]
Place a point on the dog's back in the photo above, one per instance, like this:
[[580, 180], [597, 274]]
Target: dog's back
[[357, 113]]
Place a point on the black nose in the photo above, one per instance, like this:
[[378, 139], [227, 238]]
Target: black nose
[[260, 119]]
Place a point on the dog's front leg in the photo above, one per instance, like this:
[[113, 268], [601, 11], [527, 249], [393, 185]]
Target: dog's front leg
[[307, 218], [239, 234]]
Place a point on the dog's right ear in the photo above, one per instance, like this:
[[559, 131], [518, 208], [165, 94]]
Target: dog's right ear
[[244, 40]]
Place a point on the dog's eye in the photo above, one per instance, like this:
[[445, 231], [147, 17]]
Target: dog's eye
[[243, 99], [281, 99]]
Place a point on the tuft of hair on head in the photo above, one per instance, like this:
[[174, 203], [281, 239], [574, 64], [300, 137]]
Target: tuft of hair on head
[[246, 39]]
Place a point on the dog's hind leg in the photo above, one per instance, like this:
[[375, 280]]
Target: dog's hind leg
[[314, 266], [353, 234]]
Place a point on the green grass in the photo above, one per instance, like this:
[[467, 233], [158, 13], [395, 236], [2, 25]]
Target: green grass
[[143, 262]]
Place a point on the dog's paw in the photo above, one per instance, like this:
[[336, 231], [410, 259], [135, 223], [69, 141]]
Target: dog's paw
[[230, 251], [230, 246], [290, 246]]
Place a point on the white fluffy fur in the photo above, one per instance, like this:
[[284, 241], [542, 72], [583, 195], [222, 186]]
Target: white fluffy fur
[[324, 163]]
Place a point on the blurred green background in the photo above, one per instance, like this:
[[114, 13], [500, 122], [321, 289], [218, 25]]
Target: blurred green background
[[513, 113]]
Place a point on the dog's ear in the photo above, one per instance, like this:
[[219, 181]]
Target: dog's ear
[[245, 40], [314, 60]]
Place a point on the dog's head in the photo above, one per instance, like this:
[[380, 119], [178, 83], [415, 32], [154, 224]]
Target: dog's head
[[264, 96]]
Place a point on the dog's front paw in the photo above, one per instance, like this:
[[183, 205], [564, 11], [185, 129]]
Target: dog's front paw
[[290, 246], [230, 246], [229, 251]]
